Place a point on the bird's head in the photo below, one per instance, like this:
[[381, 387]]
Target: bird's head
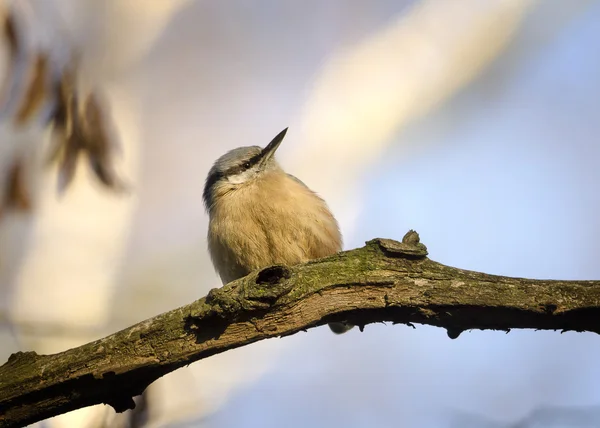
[[239, 167]]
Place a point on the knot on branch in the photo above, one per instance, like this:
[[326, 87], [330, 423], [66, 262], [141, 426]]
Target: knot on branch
[[240, 300], [273, 275], [223, 302], [410, 247], [258, 291], [22, 358], [268, 286]]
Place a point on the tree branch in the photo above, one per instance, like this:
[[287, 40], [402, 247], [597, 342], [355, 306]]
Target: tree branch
[[383, 281]]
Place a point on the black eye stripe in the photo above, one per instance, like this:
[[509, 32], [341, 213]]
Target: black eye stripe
[[254, 159], [244, 166]]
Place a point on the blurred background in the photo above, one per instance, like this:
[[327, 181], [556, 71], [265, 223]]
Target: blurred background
[[475, 123]]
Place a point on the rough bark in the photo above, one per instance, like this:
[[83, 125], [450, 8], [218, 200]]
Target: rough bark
[[383, 281]]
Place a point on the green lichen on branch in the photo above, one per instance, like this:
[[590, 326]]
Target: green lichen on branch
[[384, 281]]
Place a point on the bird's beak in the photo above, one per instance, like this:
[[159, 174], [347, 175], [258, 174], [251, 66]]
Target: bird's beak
[[269, 151]]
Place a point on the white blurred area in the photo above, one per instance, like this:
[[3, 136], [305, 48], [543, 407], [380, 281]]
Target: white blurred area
[[458, 119]]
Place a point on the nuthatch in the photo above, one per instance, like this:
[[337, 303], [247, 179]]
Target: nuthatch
[[261, 216]]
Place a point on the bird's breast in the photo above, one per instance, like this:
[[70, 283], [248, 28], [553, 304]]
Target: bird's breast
[[274, 220]]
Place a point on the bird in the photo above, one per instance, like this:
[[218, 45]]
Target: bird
[[260, 216]]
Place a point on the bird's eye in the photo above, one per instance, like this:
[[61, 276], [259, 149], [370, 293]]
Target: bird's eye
[[246, 165]]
